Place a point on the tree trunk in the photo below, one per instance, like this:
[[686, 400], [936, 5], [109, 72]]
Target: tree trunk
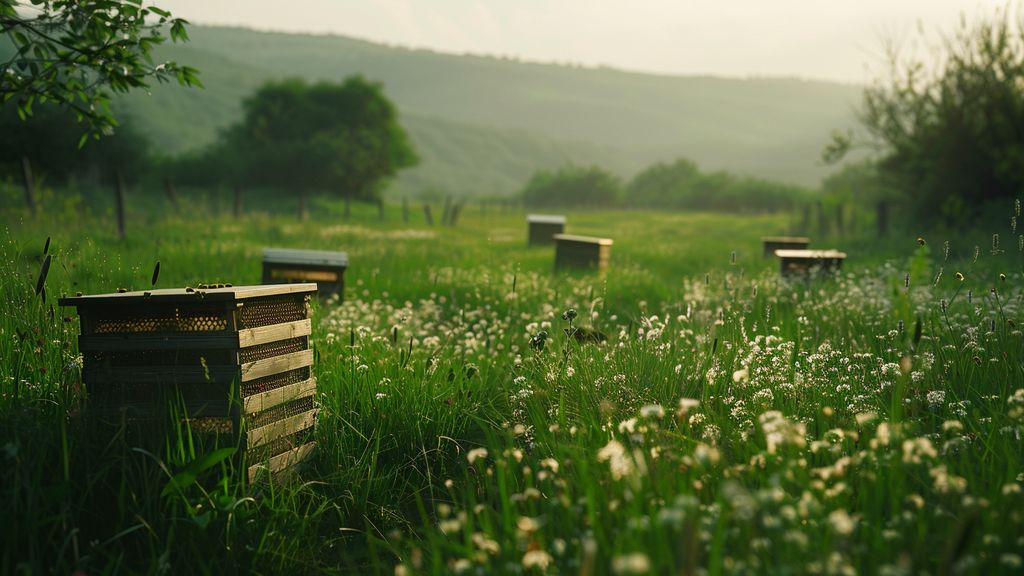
[[238, 202], [882, 218], [822, 221], [119, 199], [30, 187], [446, 214], [172, 195], [427, 216], [840, 224], [453, 218]]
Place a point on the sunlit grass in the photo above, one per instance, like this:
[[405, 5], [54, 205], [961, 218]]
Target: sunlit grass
[[732, 422]]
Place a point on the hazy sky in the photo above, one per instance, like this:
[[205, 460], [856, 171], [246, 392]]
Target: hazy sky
[[828, 39]]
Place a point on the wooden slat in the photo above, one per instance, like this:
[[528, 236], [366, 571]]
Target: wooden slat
[[304, 275], [157, 341], [159, 374], [193, 340], [274, 332], [276, 365], [275, 430], [282, 461], [178, 295], [271, 398]]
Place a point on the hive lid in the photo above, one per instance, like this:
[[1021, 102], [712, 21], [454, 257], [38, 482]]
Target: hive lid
[[306, 257], [179, 295], [545, 219], [585, 239], [810, 254], [803, 239]]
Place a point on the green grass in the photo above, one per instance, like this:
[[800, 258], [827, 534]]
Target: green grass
[[733, 422]]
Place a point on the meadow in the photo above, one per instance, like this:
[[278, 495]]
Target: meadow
[[731, 423]]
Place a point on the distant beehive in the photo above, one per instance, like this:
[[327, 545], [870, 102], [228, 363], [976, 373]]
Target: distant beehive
[[809, 263], [582, 252], [773, 243], [327, 269], [543, 228], [237, 359]]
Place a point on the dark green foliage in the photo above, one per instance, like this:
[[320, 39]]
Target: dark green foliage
[[572, 186], [295, 136], [75, 54], [682, 185], [952, 139], [48, 139]]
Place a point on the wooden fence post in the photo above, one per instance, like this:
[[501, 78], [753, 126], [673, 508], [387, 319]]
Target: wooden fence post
[[172, 195], [30, 187], [119, 198], [426, 214]]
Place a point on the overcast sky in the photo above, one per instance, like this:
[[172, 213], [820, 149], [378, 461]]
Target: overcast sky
[[827, 39]]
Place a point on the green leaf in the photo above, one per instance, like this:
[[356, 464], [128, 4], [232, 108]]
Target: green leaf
[[188, 476]]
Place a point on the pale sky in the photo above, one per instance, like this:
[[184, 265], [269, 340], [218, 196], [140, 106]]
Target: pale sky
[[827, 39]]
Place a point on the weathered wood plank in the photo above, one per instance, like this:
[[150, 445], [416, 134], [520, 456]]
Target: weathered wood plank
[[275, 430], [173, 295], [276, 365], [128, 342], [274, 332], [277, 396], [283, 461], [159, 374]]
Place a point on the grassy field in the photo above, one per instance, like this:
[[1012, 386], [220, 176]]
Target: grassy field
[[732, 423]]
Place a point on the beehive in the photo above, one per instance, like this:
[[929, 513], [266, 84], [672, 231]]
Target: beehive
[[236, 359], [326, 268], [773, 243], [582, 252], [543, 227], [809, 263]]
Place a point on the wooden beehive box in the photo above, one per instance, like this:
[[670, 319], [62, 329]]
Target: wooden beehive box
[[773, 243], [326, 268], [582, 252], [543, 228], [808, 263], [236, 359]]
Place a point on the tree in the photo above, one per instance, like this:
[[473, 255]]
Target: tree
[[663, 185], [322, 137], [572, 186], [76, 52], [47, 140], [949, 132]]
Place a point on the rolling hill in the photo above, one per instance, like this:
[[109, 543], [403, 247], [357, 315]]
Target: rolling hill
[[482, 125]]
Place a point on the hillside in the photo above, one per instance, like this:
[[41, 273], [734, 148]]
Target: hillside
[[482, 124]]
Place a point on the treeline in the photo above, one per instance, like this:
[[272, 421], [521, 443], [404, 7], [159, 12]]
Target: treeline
[[53, 146], [679, 185], [296, 139]]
